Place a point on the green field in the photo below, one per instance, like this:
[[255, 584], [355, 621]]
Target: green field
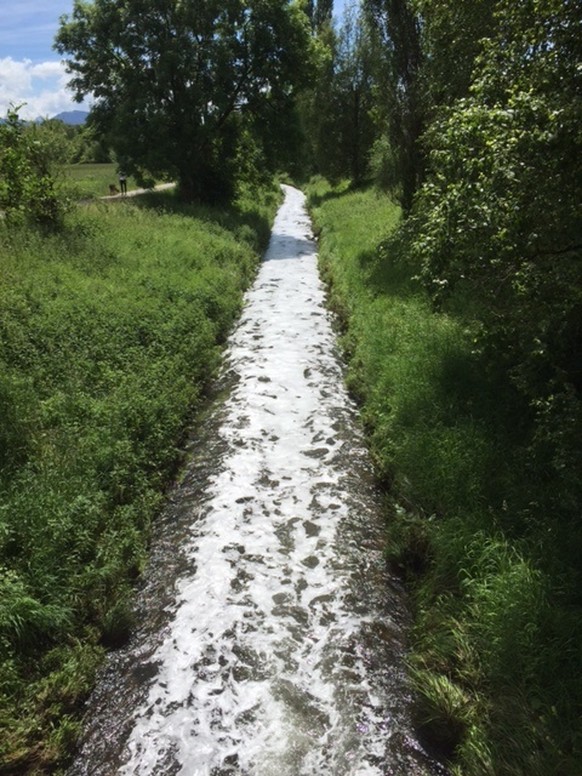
[[93, 180]]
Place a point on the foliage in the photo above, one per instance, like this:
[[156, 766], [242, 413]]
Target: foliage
[[178, 84], [451, 39], [29, 158], [399, 105], [498, 221], [423, 55], [88, 147], [487, 540], [109, 333], [337, 110], [320, 13]]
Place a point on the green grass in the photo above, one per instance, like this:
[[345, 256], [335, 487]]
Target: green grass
[[109, 333], [496, 645], [92, 180]]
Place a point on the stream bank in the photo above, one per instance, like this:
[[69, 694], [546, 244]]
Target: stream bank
[[271, 635]]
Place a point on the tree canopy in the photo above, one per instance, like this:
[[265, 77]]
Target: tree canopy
[[177, 83], [498, 215]]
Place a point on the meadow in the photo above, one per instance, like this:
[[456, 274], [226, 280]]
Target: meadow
[[495, 650], [90, 181], [110, 331]]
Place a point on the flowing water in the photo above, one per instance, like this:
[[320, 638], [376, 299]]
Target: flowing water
[[271, 635]]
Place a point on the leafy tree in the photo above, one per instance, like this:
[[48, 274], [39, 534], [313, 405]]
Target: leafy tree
[[29, 165], [56, 135], [315, 103], [322, 13], [338, 114], [451, 37], [424, 53], [89, 147], [178, 83], [353, 93], [499, 218]]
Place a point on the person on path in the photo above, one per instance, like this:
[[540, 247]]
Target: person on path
[[122, 182]]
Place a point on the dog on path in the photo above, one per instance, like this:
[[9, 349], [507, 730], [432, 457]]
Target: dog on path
[[113, 189]]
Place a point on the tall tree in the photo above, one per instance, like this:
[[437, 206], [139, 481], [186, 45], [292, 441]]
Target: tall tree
[[451, 37], [352, 88], [178, 82], [397, 28], [322, 13], [338, 110], [499, 216]]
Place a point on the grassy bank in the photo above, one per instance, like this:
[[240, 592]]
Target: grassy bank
[[109, 332], [496, 648]]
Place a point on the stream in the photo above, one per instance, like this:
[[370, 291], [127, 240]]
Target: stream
[[270, 634]]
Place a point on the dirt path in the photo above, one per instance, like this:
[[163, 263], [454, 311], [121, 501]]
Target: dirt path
[[136, 192]]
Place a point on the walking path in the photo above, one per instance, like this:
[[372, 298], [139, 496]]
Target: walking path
[[136, 192]]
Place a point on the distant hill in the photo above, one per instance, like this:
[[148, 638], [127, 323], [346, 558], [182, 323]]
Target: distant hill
[[75, 117]]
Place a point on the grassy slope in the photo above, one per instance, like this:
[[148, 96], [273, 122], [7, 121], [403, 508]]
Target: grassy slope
[[108, 334], [495, 653]]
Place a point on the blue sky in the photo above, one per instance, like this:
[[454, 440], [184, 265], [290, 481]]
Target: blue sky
[[30, 71]]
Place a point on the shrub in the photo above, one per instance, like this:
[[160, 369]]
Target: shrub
[[29, 192]]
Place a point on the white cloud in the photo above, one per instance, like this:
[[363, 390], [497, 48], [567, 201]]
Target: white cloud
[[42, 86]]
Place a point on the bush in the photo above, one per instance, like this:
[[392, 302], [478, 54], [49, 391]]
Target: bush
[[29, 191]]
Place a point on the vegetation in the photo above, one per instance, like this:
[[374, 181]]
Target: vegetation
[[496, 643], [462, 305], [90, 181], [188, 92], [29, 187], [464, 328], [337, 111], [109, 331]]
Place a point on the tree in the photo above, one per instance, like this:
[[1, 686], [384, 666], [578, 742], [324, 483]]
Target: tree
[[401, 108], [178, 83], [499, 218], [322, 13], [451, 38], [353, 94], [338, 110]]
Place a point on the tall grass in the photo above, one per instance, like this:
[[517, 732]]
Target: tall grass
[[109, 332], [496, 648]]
